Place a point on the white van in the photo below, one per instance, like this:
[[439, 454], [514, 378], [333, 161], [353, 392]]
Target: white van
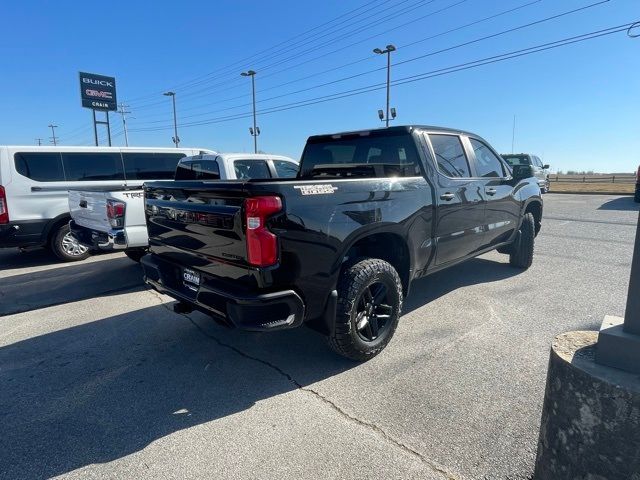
[[34, 184]]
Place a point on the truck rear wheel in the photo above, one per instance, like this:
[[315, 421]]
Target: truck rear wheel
[[135, 254], [521, 254], [65, 246], [368, 310]]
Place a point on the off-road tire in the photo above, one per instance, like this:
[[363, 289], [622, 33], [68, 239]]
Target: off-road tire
[[59, 246], [521, 255], [135, 254], [354, 280]]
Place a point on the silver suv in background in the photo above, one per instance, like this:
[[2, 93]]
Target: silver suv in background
[[540, 170]]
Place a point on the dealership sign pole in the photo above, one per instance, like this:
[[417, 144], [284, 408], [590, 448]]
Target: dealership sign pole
[[98, 92]]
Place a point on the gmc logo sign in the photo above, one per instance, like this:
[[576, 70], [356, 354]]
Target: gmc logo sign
[[99, 94]]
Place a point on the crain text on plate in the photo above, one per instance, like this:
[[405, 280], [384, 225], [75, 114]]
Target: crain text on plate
[[321, 189]]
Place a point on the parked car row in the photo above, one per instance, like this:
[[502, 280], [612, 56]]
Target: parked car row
[[113, 219], [262, 242], [35, 181]]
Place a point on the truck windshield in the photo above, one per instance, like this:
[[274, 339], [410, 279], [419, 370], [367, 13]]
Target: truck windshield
[[361, 156], [514, 160]]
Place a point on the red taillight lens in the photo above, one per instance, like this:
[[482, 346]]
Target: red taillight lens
[[4, 210], [115, 213], [262, 245]]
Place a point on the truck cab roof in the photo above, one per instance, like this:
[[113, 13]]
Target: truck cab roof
[[396, 130]]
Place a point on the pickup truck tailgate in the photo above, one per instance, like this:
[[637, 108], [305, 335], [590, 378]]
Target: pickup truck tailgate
[[89, 209], [198, 227]]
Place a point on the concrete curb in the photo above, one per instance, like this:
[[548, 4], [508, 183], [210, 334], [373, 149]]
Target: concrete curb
[[590, 418]]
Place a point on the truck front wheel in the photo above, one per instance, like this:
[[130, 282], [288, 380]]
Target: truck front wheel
[[368, 310]]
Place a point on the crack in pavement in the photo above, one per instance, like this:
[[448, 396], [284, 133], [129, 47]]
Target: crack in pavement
[[363, 423]]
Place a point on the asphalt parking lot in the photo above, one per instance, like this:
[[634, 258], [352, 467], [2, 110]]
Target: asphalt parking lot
[[99, 378]]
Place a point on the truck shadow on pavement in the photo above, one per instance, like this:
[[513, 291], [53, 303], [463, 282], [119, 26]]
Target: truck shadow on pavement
[[100, 391], [472, 272], [68, 283]]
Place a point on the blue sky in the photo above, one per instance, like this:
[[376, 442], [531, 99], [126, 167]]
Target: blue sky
[[577, 105]]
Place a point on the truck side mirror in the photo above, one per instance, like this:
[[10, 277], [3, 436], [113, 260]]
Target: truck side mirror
[[546, 166], [520, 172]]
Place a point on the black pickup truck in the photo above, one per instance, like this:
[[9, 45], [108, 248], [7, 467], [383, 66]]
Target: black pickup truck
[[338, 246]]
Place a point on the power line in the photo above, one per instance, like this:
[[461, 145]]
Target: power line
[[377, 69], [361, 59], [327, 44], [419, 77], [247, 59], [368, 57]]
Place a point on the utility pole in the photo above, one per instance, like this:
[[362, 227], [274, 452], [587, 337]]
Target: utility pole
[[387, 51], [54, 139], [255, 131], [39, 140], [124, 112], [176, 139]]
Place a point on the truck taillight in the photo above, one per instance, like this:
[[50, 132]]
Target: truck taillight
[[4, 210], [115, 213], [262, 245]]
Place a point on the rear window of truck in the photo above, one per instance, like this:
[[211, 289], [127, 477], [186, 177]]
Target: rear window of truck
[[361, 156]]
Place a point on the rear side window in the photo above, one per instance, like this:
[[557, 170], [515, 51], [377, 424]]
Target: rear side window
[[90, 166], [452, 161], [488, 165], [198, 170], [150, 166], [40, 166], [246, 169], [285, 169], [361, 156]]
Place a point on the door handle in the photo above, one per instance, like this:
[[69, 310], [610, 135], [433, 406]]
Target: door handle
[[447, 196], [491, 191]]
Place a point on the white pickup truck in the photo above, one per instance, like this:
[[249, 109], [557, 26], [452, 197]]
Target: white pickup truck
[[114, 219]]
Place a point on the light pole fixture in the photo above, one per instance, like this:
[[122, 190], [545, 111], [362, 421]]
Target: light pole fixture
[[255, 131], [388, 49], [176, 138]]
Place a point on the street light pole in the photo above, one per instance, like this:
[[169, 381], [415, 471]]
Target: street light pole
[[255, 131], [387, 50], [176, 139]]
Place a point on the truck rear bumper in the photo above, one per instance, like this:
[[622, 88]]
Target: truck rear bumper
[[255, 312], [111, 240]]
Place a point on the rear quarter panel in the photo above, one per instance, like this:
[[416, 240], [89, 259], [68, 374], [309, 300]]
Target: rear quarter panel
[[318, 229]]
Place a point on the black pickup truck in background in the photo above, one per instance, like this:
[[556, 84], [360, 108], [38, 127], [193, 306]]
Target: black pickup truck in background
[[338, 246]]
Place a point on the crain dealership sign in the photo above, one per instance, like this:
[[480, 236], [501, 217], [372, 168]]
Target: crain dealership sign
[[98, 92]]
